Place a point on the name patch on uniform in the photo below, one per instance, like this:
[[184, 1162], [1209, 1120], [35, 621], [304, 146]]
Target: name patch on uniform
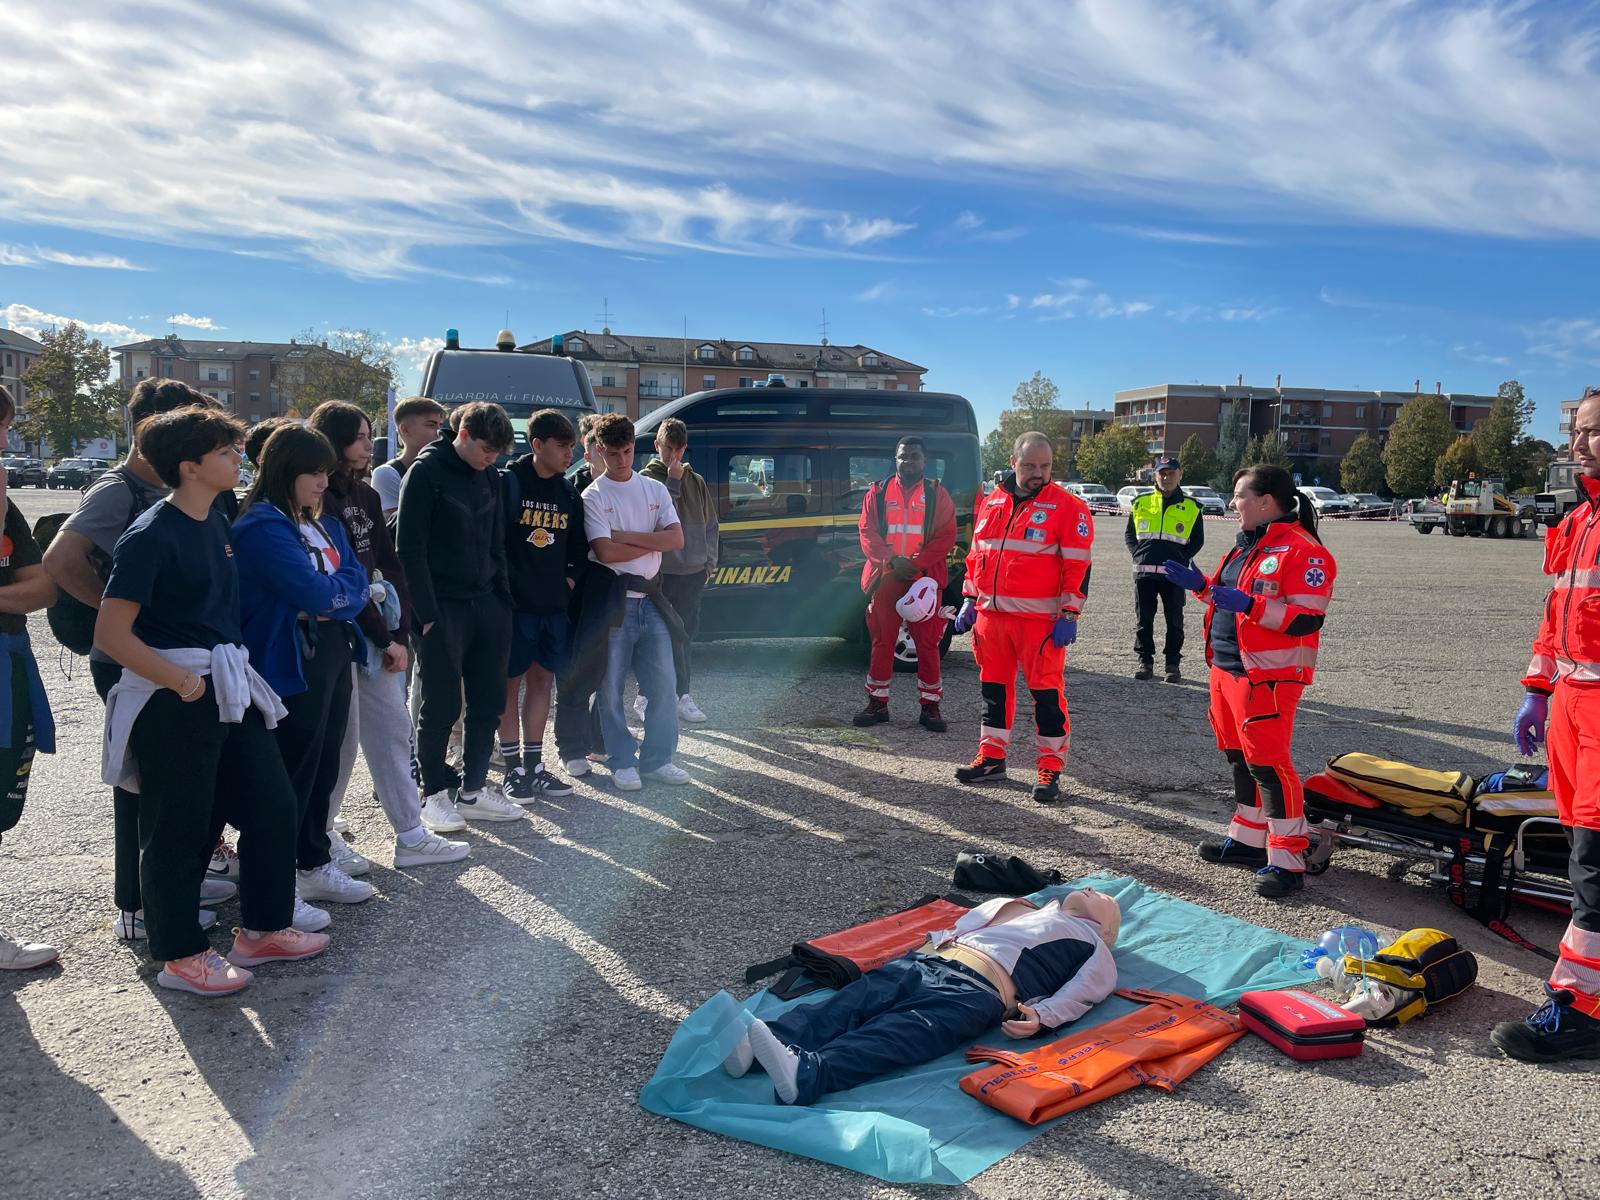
[[1274, 549], [1269, 566], [1042, 504], [1316, 577]]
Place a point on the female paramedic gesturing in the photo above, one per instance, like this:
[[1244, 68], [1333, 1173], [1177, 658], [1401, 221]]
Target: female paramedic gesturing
[[1267, 602]]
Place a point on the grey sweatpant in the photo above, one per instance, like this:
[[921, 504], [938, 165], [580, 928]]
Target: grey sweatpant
[[381, 722]]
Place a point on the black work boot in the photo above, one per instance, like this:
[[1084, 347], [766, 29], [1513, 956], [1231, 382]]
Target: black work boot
[[875, 713], [1277, 882], [1147, 669], [981, 770], [932, 719], [1230, 853], [1048, 789], [1554, 1032], [1173, 675]]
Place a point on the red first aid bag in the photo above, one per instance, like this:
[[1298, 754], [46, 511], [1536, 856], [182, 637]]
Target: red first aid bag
[[1303, 1026]]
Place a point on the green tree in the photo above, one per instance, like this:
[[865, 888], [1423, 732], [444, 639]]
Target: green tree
[[348, 364], [1198, 460], [1112, 455], [1459, 460], [1497, 435], [1232, 443], [1265, 451], [1418, 436], [1036, 395], [70, 396], [1362, 468], [1531, 459], [996, 452]]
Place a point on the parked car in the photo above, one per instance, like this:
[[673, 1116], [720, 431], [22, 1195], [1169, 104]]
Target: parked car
[[1370, 504], [1097, 496], [1127, 495], [74, 473], [1328, 502], [1210, 501], [24, 472]]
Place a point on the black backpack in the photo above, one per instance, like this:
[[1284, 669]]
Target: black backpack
[[1008, 874], [71, 620]]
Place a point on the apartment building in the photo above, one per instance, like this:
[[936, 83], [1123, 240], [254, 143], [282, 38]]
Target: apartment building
[[247, 377], [634, 374], [1082, 423], [1316, 426], [17, 354], [1569, 410]]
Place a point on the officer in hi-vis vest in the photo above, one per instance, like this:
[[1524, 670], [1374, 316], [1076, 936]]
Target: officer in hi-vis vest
[[1163, 526]]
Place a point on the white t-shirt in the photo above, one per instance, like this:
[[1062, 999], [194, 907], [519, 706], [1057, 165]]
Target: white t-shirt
[[642, 505], [386, 481], [320, 550]]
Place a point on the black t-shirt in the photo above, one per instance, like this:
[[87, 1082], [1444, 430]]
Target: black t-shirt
[[545, 542], [181, 574], [17, 549]]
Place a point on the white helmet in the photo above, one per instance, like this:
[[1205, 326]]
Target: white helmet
[[920, 602]]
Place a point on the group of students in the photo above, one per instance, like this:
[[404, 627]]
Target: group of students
[[245, 650]]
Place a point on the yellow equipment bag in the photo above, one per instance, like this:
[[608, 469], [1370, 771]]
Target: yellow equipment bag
[[1440, 795], [1426, 965]]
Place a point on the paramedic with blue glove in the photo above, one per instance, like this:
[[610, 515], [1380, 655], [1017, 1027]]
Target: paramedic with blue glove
[[1008, 962], [1267, 603], [1027, 579], [1562, 710]]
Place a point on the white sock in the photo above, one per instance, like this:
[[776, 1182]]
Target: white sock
[[782, 1064], [414, 836], [739, 1059]]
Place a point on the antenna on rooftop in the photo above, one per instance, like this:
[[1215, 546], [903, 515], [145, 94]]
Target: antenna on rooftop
[[605, 315], [824, 327]]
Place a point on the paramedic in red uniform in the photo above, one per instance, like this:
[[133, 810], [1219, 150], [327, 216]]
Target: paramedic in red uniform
[[1562, 709], [1267, 602], [908, 528], [1027, 579]]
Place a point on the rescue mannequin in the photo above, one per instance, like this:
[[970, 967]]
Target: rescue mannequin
[[1008, 961], [1268, 600], [1562, 710]]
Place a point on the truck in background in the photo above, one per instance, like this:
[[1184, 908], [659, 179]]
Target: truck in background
[[1560, 495]]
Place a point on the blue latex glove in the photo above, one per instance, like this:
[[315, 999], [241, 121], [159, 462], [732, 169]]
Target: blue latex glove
[[968, 616], [1184, 575], [1232, 599], [1065, 631], [1528, 729]]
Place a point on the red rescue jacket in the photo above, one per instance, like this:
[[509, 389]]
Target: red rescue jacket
[[935, 529], [1290, 574], [1568, 643], [1030, 557]]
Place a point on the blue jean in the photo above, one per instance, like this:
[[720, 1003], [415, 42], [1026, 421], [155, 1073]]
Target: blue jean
[[910, 1010], [643, 645]]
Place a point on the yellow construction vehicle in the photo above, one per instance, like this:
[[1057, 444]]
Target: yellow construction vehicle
[[1483, 508]]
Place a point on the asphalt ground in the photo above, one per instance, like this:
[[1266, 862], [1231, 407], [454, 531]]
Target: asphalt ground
[[484, 1028]]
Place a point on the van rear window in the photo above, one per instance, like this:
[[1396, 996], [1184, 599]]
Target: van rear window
[[762, 408], [895, 411]]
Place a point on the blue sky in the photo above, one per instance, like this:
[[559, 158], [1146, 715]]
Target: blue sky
[[1115, 192]]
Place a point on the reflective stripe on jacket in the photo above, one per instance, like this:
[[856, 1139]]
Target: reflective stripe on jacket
[[1031, 557], [1289, 574], [1567, 645], [935, 533]]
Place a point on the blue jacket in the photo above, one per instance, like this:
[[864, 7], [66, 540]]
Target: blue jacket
[[277, 583]]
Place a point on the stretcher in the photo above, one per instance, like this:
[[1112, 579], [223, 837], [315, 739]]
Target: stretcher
[[1509, 848]]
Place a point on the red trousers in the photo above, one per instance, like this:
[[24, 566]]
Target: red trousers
[[1572, 745], [1254, 724], [1004, 644], [884, 625]]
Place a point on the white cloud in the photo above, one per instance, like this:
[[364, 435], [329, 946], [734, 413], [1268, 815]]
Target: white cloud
[[1572, 342], [1475, 353], [1474, 116], [412, 353], [188, 322], [1186, 236], [857, 231], [26, 319], [967, 221], [20, 256], [876, 292], [1221, 312]]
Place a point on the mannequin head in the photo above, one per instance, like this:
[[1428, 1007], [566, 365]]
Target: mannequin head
[[1097, 907]]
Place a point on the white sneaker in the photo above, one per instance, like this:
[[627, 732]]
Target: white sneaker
[[215, 891], [431, 849], [640, 703], [130, 925], [339, 825], [439, 815], [224, 862], [627, 778], [327, 882], [308, 918], [19, 954], [346, 859], [578, 767], [689, 711], [668, 773], [489, 806]]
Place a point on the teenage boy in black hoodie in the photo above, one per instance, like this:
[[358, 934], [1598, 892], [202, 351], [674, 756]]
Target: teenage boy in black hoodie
[[546, 552], [452, 545]]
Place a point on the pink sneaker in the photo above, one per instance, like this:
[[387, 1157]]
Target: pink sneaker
[[284, 945], [204, 974]]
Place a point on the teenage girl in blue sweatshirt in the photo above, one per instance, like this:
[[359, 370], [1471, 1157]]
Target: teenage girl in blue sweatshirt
[[301, 589]]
